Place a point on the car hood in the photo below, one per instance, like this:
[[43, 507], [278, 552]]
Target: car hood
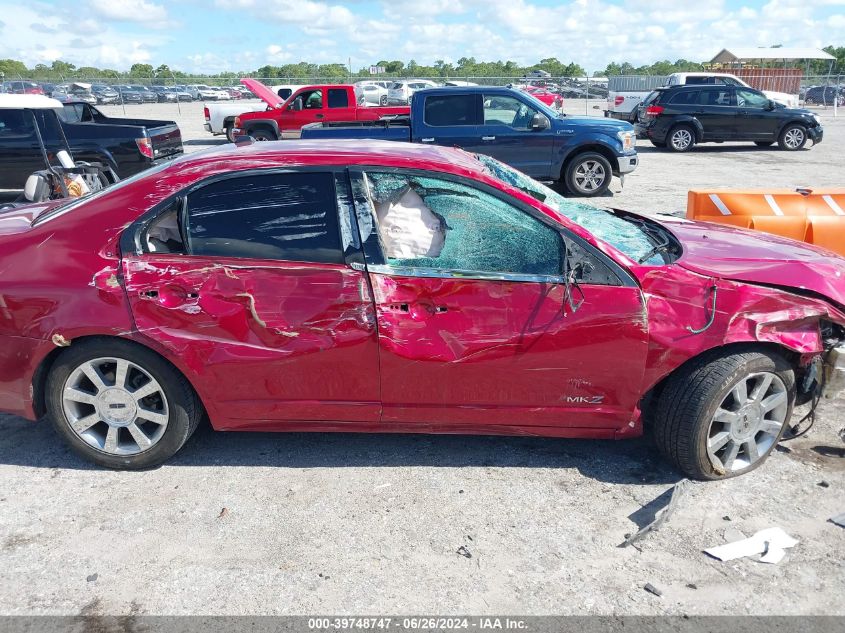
[[605, 125], [263, 92], [759, 258]]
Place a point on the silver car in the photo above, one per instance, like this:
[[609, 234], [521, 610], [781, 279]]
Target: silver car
[[400, 92]]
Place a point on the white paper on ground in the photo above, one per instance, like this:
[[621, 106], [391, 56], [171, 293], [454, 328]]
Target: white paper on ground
[[770, 540]]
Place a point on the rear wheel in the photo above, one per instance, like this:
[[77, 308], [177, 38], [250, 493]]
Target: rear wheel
[[263, 134], [681, 138], [722, 416], [383, 100], [120, 405], [793, 137], [588, 174], [229, 136]]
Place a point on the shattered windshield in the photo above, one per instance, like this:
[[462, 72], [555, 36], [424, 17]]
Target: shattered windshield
[[640, 241]]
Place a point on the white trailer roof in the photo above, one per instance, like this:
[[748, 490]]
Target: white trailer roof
[[16, 102], [732, 55]]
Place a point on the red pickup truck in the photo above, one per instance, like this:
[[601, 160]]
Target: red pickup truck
[[308, 104]]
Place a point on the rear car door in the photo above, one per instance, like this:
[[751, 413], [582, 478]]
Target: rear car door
[[248, 279], [338, 106], [506, 135], [450, 120], [717, 112], [753, 121], [476, 328]]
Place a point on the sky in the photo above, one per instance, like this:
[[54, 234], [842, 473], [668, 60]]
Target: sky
[[210, 36]]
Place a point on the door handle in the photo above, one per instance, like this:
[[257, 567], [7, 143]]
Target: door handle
[[488, 138], [418, 311], [169, 296], [318, 116]]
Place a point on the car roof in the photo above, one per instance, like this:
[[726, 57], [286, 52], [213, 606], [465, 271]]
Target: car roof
[[335, 152], [35, 102]]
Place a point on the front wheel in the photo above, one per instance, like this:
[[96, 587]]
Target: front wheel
[[383, 100], [793, 137], [263, 134], [721, 416], [588, 174], [120, 405]]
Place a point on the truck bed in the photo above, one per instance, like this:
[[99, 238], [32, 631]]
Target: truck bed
[[397, 128]]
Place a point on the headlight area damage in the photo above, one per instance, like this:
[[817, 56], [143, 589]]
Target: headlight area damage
[[689, 314]]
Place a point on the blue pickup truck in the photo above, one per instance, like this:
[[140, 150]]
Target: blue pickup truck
[[583, 153]]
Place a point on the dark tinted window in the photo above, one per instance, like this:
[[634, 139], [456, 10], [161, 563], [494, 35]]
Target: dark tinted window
[[446, 110], [15, 123], [717, 97], [338, 98], [269, 216], [685, 97]]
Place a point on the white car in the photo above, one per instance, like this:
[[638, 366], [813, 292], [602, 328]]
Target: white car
[[222, 93], [373, 92], [202, 92], [400, 92]]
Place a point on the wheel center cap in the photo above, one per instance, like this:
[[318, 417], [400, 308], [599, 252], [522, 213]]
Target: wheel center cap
[[749, 420], [116, 407]]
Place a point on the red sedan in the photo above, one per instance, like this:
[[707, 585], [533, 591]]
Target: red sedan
[[384, 287]]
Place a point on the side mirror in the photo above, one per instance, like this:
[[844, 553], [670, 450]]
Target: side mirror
[[296, 106], [539, 122], [770, 105]]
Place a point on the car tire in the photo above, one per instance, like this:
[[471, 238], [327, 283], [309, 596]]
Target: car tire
[[764, 143], [165, 417], [793, 137], [681, 138], [588, 174], [383, 100], [229, 136], [701, 423], [263, 134]]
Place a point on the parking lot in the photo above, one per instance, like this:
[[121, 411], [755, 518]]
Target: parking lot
[[245, 523]]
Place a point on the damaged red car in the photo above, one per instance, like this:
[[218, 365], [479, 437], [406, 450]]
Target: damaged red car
[[384, 287]]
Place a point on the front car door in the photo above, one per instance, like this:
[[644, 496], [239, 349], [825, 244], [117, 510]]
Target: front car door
[[753, 121], [507, 135], [477, 332], [248, 280], [20, 153]]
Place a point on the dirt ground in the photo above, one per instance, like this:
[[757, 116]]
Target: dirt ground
[[244, 523]]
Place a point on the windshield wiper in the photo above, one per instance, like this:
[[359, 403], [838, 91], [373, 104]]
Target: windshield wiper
[[660, 248]]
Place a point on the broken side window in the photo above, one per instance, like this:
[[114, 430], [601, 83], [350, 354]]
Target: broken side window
[[439, 224], [164, 234], [281, 216]]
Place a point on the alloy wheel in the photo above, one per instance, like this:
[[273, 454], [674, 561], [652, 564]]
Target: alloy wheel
[[747, 422], [590, 175], [793, 138], [115, 406], [681, 139]]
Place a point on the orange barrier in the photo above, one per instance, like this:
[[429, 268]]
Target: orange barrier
[[813, 216]]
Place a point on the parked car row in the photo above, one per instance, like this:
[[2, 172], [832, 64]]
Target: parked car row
[[104, 94]]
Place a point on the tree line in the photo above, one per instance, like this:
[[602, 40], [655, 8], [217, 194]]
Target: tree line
[[464, 67]]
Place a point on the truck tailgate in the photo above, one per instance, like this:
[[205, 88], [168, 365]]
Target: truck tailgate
[[166, 140]]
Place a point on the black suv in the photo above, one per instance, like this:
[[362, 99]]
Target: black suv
[[681, 116]]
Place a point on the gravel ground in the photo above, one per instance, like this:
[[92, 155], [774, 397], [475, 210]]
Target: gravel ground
[[244, 523]]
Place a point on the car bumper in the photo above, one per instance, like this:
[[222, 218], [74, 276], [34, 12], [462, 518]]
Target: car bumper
[[815, 134], [628, 163], [207, 127]]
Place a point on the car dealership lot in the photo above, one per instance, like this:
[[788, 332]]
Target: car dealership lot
[[248, 523]]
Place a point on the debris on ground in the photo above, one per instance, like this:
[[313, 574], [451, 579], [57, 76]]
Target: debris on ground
[[661, 516], [223, 513], [839, 519], [463, 551], [770, 542], [652, 589], [92, 578], [823, 484]]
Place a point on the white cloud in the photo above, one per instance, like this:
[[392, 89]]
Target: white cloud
[[130, 10]]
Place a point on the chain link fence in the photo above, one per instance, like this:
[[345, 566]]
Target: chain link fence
[[812, 90]]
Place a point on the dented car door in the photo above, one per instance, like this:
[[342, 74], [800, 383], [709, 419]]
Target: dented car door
[[476, 325], [247, 279]]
